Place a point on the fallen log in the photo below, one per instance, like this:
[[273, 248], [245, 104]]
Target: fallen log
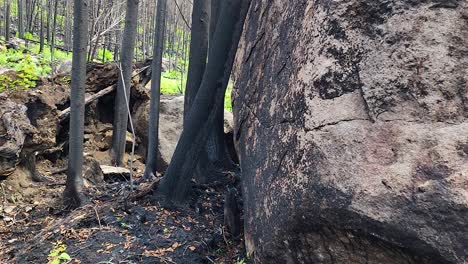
[[65, 113]]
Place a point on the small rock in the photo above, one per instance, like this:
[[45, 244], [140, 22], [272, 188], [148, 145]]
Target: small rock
[[465, 148], [9, 209]]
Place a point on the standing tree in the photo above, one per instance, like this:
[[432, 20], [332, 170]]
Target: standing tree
[[54, 25], [215, 4], [175, 184], [198, 51], [41, 31], [7, 20], [123, 86], [156, 67], [72, 194], [214, 158], [20, 19]]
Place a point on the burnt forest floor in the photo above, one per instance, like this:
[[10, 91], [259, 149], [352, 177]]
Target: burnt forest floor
[[115, 226]]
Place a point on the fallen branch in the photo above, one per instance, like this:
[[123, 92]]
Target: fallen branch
[[65, 113]]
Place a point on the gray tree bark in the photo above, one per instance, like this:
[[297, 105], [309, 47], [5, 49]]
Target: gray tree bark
[[7, 20], [156, 66], [20, 19], [126, 58], [198, 51], [74, 185]]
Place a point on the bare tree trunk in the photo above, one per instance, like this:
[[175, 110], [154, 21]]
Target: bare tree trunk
[[49, 12], [214, 159], [41, 33], [74, 185], [175, 184], [123, 87], [20, 19], [153, 127], [198, 51], [7, 20], [215, 5], [54, 23]]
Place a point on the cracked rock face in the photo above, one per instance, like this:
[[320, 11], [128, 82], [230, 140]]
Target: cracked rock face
[[351, 126]]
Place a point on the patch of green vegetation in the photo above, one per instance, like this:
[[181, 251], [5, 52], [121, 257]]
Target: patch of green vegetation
[[28, 65], [107, 54], [27, 69], [58, 254], [227, 97], [170, 84], [59, 55]]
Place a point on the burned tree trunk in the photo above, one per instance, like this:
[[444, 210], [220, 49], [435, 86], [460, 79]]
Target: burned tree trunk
[[175, 184], [214, 158], [198, 51], [351, 125]]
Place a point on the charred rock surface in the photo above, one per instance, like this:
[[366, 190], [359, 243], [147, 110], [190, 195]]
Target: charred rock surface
[[351, 124]]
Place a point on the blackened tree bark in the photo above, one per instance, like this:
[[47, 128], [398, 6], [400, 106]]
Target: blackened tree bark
[[72, 194], [123, 86], [215, 5], [198, 51], [175, 184], [215, 157], [156, 67]]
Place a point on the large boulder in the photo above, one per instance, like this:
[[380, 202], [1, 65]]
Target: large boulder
[[171, 117], [351, 125], [171, 112]]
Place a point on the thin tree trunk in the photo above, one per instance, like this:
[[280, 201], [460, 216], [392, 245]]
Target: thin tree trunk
[[198, 51], [175, 184], [20, 19], [54, 24], [49, 11], [120, 114], [7, 20], [74, 185], [156, 68], [41, 32]]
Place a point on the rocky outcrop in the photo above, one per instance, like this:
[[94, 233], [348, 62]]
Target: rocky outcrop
[[351, 125]]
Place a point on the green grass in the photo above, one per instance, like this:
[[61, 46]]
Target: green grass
[[170, 84]]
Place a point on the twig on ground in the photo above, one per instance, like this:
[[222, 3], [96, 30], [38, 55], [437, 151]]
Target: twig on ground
[[210, 260], [97, 216]]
